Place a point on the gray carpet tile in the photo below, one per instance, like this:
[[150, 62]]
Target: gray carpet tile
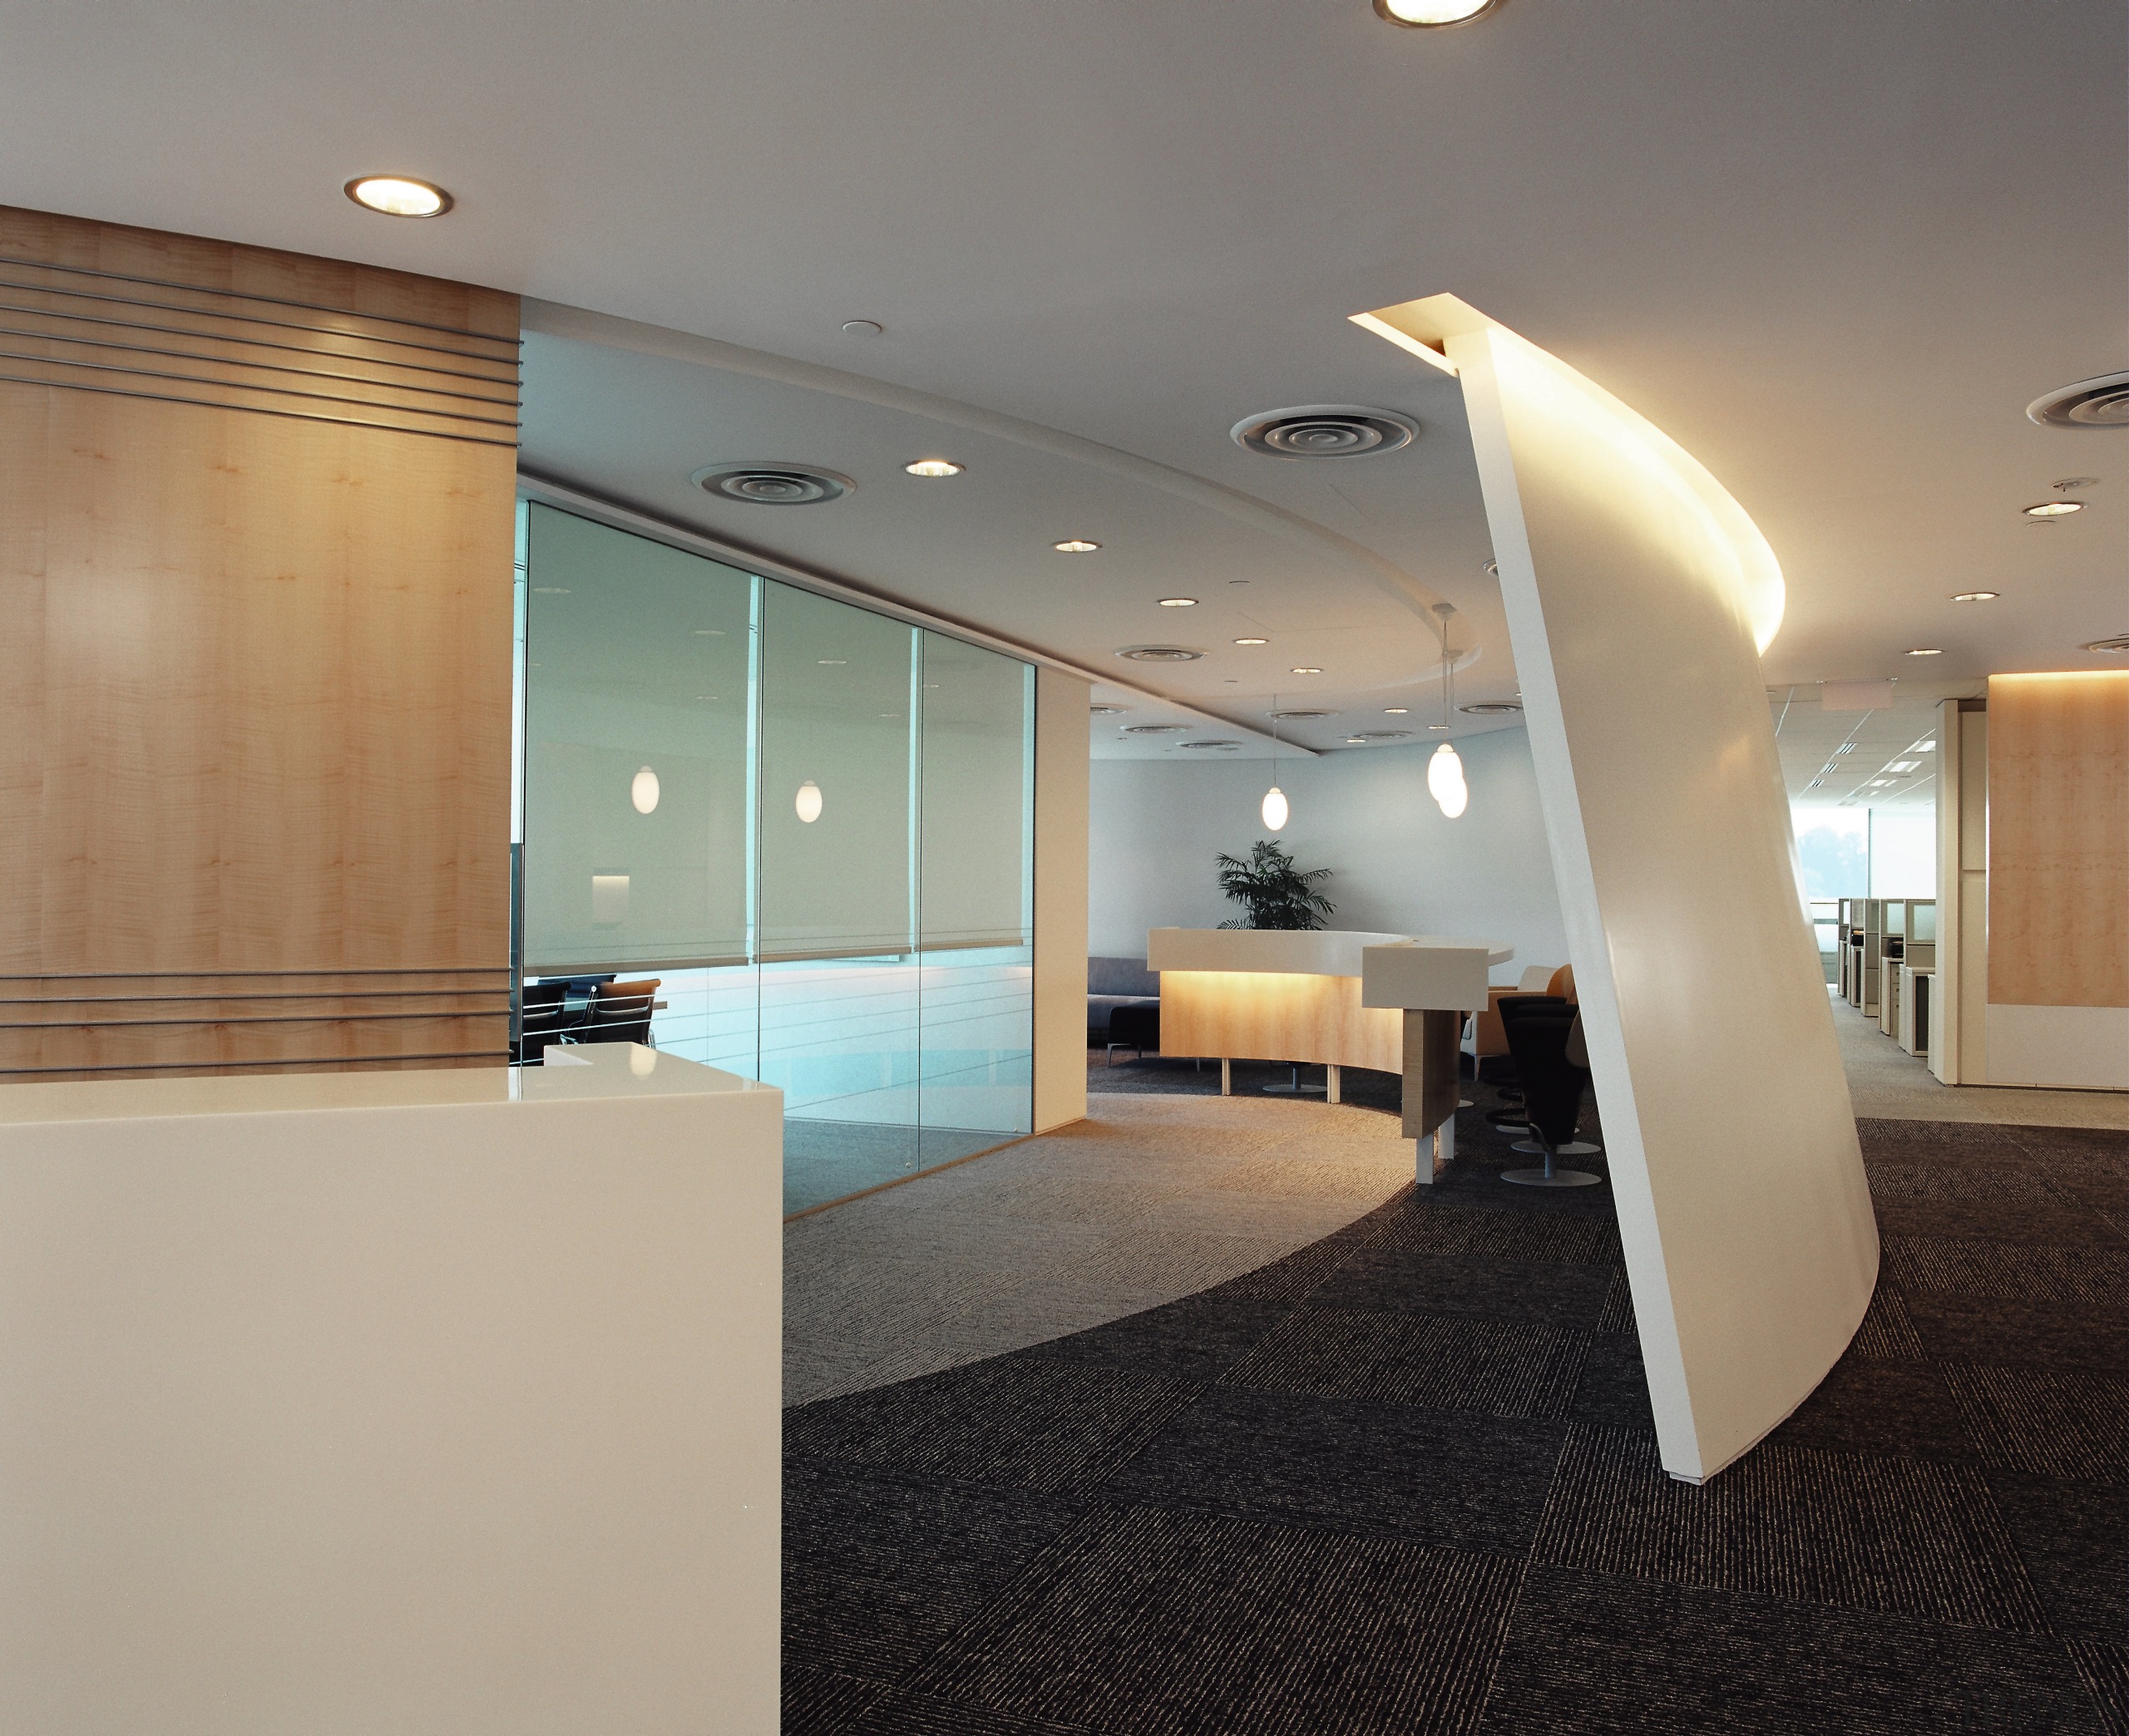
[[1400, 1280], [2058, 1424], [1438, 1362], [1327, 1178], [1618, 1315], [1612, 1390], [1902, 1410], [1458, 1478], [1847, 1528], [2104, 1668], [815, 1699], [1173, 1622], [1576, 1237], [1887, 1334], [1039, 1425], [1591, 1654], [920, 1714], [2023, 1185], [1978, 1268]]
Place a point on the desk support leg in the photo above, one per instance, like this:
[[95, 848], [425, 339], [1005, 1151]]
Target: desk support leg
[[1330, 1083], [1226, 1077]]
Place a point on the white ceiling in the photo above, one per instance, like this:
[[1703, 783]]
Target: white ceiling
[[1833, 249]]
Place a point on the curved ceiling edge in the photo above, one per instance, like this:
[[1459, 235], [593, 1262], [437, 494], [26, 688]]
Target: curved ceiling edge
[[556, 319]]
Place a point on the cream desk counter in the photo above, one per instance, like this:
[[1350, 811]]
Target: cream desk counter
[[437, 1402], [1332, 997]]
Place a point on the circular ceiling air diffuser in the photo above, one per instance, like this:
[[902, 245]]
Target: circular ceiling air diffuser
[[1384, 735], [1151, 728], [1297, 717], [1209, 744], [1325, 431], [1492, 708], [2100, 404], [1160, 653], [2114, 646], [773, 484]]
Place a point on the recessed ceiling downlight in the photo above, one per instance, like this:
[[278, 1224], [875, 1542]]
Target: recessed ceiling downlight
[[1975, 596], [1161, 653], [1325, 431], [2103, 402], [1432, 14], [773, 484], [2053, 509], [1492, 708], [397, 195], [1075, 545], [934, 467]]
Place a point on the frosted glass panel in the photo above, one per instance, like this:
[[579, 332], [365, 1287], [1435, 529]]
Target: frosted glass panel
[[636, 661], [835, 727], [976, 752]]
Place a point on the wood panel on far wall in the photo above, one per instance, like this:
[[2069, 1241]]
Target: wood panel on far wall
[[1271, 1016], [2058, 838], [255, 558]]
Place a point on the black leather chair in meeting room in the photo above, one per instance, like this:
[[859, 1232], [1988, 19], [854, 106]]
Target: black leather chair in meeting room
[[620, 1012], [542, 1020], [1553, 1088]]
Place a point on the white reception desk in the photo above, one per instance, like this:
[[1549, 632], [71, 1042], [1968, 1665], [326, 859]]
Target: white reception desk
[[440, 1402]]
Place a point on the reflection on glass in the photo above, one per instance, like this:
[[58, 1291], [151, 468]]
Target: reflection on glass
[[813, 823]]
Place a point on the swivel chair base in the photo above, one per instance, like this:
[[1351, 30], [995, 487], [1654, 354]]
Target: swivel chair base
[[1572, 1148], [1551, 1175], [1295, 1088]]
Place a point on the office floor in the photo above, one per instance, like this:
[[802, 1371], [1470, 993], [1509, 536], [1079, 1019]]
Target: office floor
[[1890, 1084], [1403, 1479]]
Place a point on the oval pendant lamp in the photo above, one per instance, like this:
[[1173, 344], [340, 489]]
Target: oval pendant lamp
[[807, 803], [1273, 808], [1445, 769], [643, 790]]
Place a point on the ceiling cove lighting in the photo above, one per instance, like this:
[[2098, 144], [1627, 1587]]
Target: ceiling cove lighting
[[934, 467], [1431, 14], [807, 802], [1975, 596], [643, 790], [397, 195], [1075, 545], [2053, 509]]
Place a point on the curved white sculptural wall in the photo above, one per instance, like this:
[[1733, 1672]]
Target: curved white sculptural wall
[[1638, 596]]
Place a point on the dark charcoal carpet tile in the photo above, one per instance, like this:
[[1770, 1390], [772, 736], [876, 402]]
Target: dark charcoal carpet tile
[[2098, 1146], [1580, 1238], [2074, 1538], [1429, 1361], [2105, 1669], [1593, 1654], [1399, 1279], [1172, 1624], [1940, 1142], [1198, 1338], [2011, 1330], [1864, 1405], [1619, 1307], [918, 1714], [1037, 1423], [1613, 1392], [877, 1574], [2057, 1423], [1903, 1534], [2025, 1186], [1887, 1334], [1921, 1264], [1301, 1273], [2061, 1220], [823, 1701], [1450, 1477]]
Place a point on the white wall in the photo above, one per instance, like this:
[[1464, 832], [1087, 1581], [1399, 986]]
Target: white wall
[[1397, 866]]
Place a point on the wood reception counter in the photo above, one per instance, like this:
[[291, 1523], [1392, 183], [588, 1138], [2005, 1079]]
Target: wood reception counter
[[1329, 997], [439, 1401]]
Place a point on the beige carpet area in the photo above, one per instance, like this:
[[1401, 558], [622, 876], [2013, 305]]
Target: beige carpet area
[[1151, 1199], [1886, 1082]]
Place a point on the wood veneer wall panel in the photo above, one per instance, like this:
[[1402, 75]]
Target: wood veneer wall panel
[[2058, 838], [256, 714], [1271, 1016]]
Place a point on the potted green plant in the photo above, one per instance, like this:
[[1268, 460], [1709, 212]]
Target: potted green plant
[[1272, 892]]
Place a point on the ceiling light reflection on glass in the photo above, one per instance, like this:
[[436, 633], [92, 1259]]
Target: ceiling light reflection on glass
[[397, 195]]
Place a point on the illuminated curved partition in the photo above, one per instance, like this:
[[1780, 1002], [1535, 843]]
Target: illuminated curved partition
[[1638, 597]]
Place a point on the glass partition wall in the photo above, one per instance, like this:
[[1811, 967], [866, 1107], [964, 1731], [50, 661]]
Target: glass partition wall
[[811, 824]]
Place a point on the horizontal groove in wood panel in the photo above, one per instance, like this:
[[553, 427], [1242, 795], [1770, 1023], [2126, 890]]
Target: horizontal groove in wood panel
[[342, 421], [497, 1054], [510, 344], [509, 401], [508, 378], [322, 971], [294, 391], [250, 1018], [242, 994]]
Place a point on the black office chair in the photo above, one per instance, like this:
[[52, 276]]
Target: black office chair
[[1136, 1025], [620, 1012], [1516, 1118], [1552, 1087], [542, 1021]]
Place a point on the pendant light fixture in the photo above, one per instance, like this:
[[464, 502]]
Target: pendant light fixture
[[643, 790], [807, 803], [1273, 808], [1445, 770]]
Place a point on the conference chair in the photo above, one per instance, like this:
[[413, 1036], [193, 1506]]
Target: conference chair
[[542, 1020], [1553, 1088], [620, 1012]]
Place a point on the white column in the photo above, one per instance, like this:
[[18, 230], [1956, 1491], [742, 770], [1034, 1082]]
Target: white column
[[1060, 897]]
